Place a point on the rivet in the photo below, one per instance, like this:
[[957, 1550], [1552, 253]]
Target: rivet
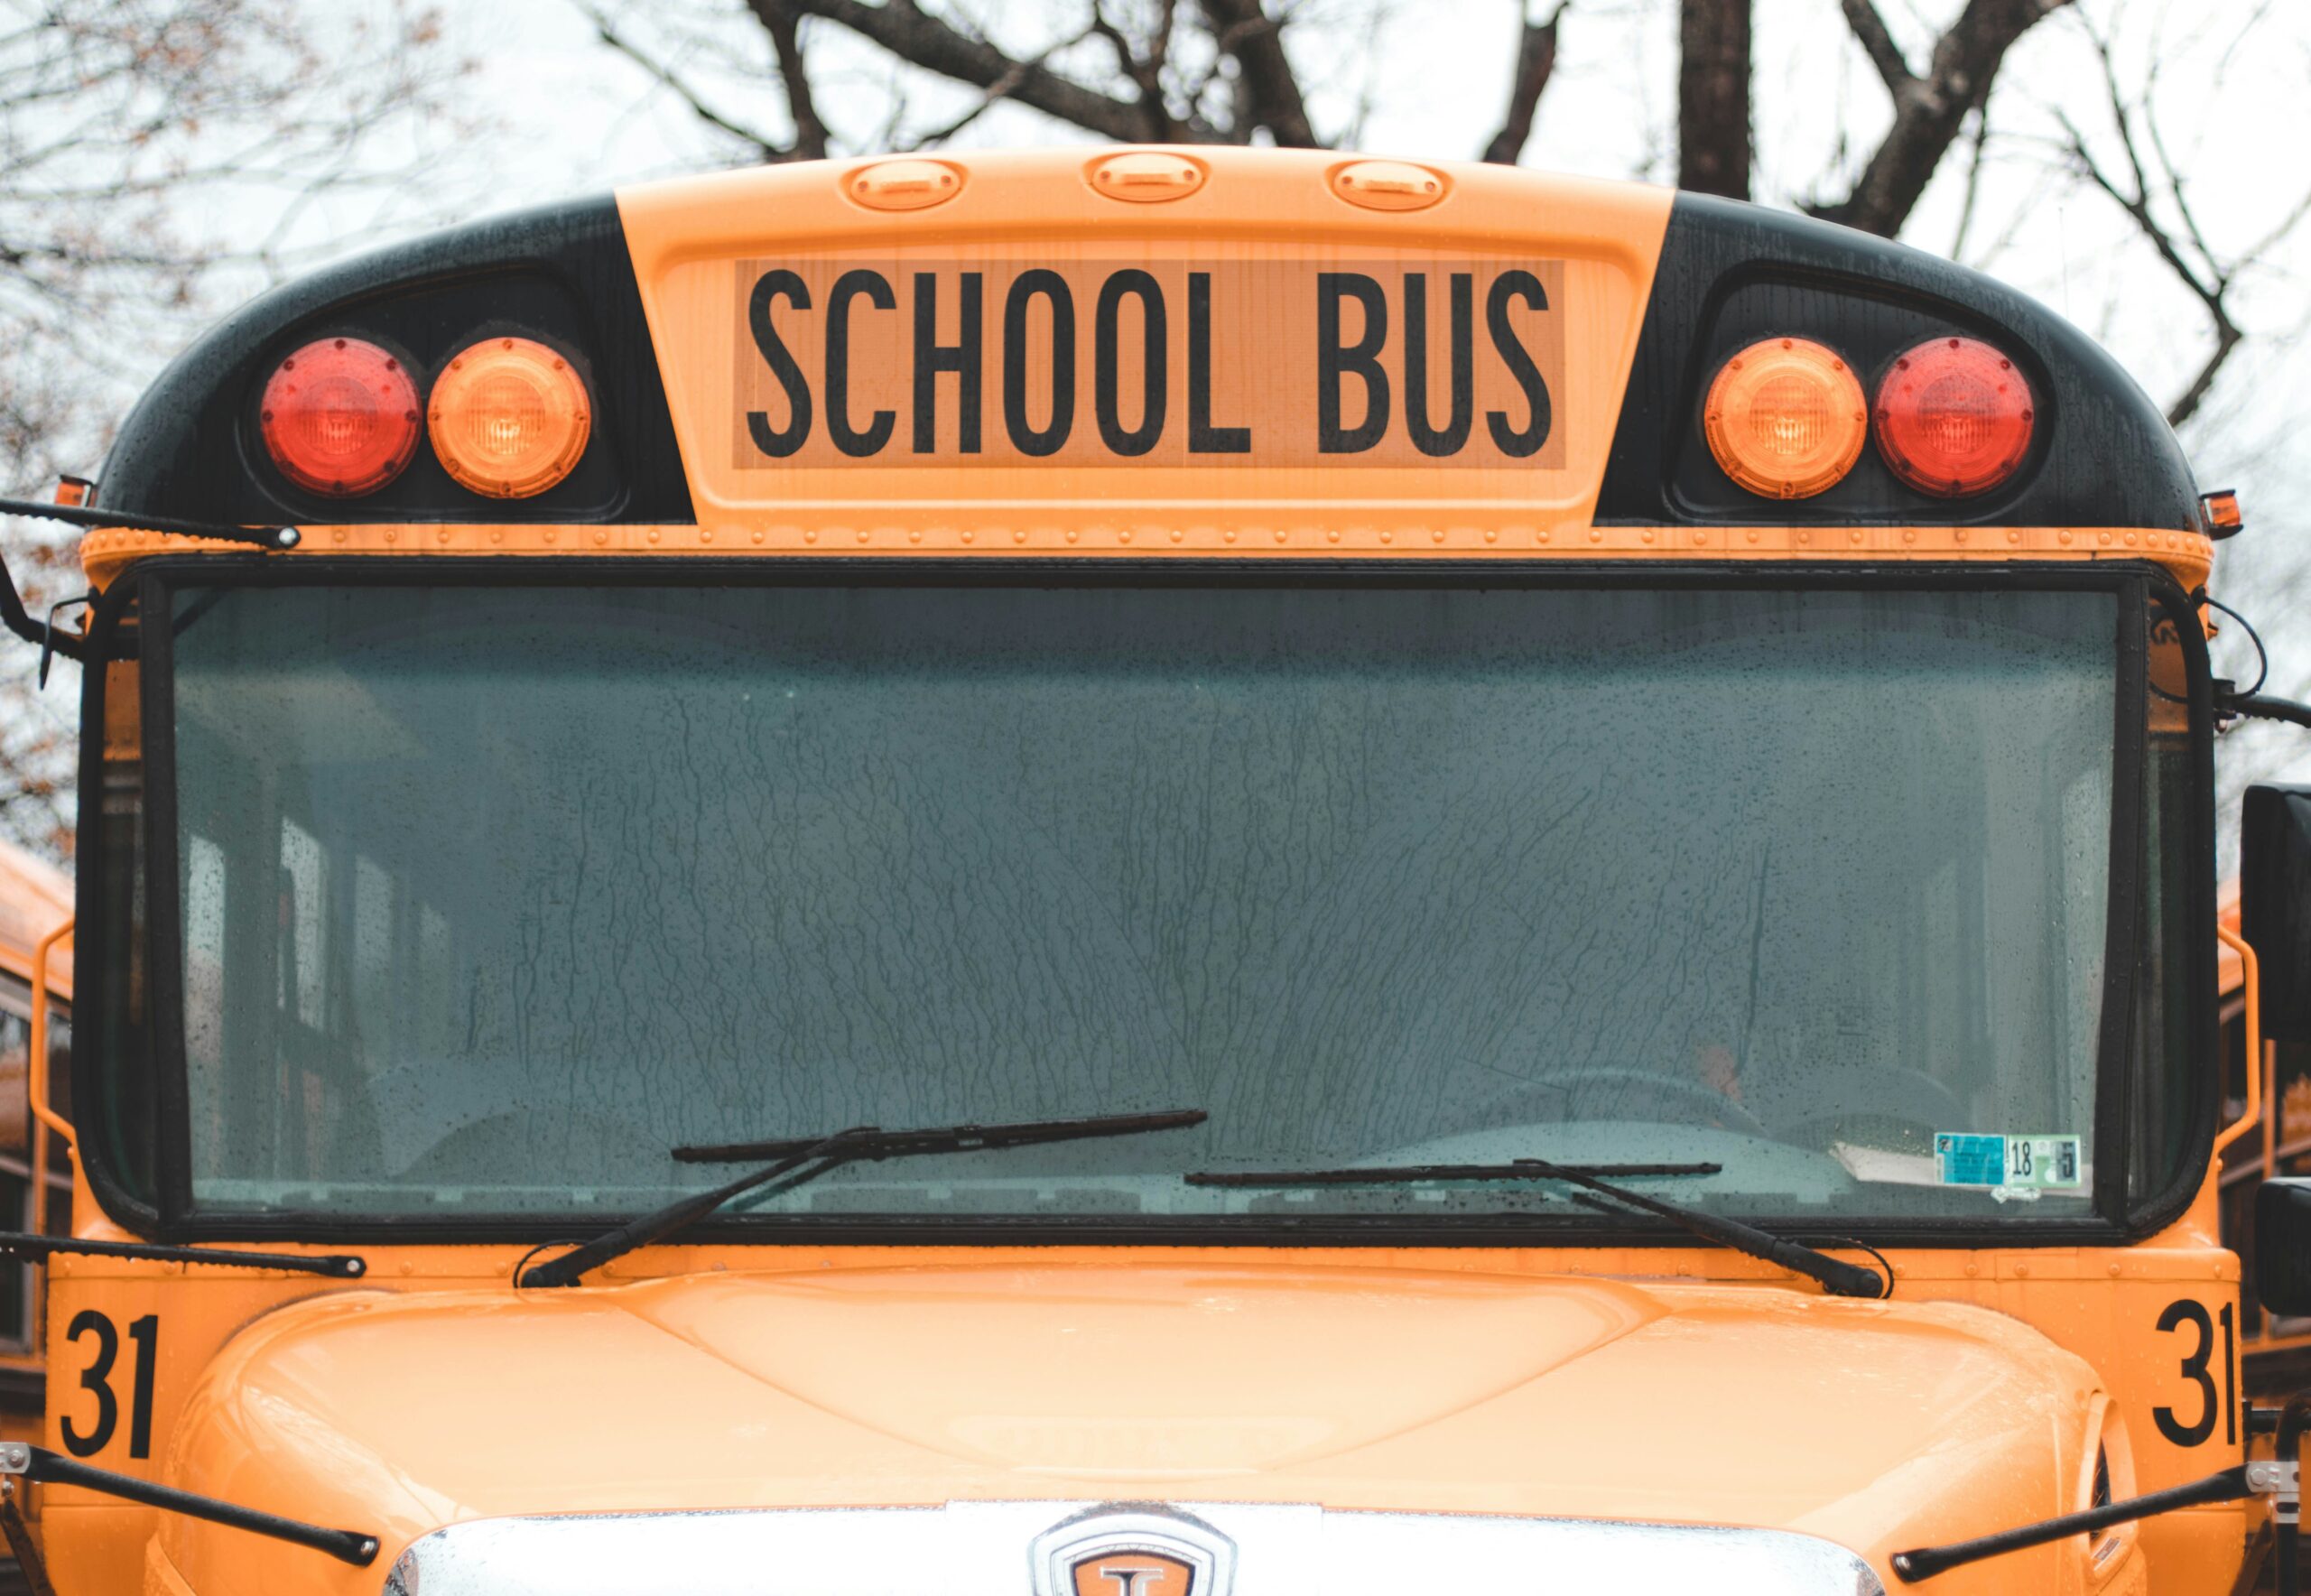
[[1387, 537], [340, 536], [1804, 537], [2114, 1271], [969, 534], [1072, 534], [2133, 539], [915, 534], [551, 535], [442, 536], [2021, 1271], [2104, 538], [1700, 538], [392, 537], [654, 534], [1229, 535], [1436, 536], [496, 534], [1910, 534], [1280, 535], [1543, 535], [1857, 535], [2014, 536], [1596, 534], [2066, 538], [757, 534], [863, 534], [1753, 535], [407, 1267], [1019, 534], [811, 536], [1648, 535], [1332, 535], [1492, 535], [705, 534], [1175, 534], [1122, 537]]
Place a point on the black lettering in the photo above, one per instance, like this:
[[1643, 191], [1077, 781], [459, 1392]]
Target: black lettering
[[1455, 434], [875, 290], [1204, 438], [1053, 437], [1524, 285], [146, 1333], [932, 357], [1335, 360], [775, 443], [95, 1377], [1155, 373], [2179, 1312]]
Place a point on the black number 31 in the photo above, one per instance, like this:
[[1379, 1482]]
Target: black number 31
[[96, 1378], [2212, 1403]]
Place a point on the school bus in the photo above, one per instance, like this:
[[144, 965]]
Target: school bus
[[1150, 872]]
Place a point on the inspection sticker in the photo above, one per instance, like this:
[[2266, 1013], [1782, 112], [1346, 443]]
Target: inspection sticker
[[2031, 1162]]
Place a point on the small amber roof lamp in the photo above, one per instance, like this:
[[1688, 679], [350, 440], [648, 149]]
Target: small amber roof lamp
[[2222, 513]]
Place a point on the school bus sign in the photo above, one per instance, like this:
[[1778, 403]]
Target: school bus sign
[[1129, 358]]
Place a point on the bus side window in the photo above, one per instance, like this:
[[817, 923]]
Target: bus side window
[[15, 1163]]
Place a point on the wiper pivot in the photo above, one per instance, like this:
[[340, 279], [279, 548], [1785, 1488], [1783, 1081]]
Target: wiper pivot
[[804, 1160], [38, 1463]]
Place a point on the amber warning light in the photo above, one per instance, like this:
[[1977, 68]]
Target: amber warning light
[[509, 418], [1786, 417]]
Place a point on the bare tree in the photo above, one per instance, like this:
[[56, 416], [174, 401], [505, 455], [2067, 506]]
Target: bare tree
[[154, 153], [1714, 148]]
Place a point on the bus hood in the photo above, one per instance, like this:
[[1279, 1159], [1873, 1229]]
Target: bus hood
[[1871, 1424]]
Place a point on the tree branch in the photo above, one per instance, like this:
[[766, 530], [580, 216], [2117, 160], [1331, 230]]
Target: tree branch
[[1714, 145], [1535, 60], [1877, 43], [1256, 40], [666, 76], [781, 22], [924, 40], [1928, 111]]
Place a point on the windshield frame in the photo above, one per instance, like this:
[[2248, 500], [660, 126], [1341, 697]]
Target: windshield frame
[[151, 588]]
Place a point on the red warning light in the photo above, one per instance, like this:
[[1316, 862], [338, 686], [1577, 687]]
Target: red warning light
[[340, 417], [1953, 417]]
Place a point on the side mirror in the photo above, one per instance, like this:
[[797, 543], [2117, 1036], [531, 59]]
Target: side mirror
[[2275, 906], [2283, 1247]]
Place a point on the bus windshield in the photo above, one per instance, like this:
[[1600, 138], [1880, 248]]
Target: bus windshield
[[491, 895]]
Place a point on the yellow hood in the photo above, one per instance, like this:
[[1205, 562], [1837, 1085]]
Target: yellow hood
[[1873, 1424]]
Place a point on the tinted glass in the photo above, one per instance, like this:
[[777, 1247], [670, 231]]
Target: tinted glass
[[492, 896]]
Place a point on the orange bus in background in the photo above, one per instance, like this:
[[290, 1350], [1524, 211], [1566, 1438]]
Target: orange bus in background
[[1155, 873]]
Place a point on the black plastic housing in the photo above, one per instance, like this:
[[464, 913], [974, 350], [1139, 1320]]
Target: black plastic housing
[[2275, 904], [2100, 454], [561, 275]]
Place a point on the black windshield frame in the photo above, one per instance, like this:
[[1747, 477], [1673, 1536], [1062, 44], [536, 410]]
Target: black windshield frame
[[151, 589]]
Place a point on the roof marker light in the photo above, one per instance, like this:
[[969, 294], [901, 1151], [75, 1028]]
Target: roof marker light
[[1786, 417], [1954, 417], [339, 417], [508, 417]]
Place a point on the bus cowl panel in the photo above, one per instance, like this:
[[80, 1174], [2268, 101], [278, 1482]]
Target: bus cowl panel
[[1873, 1425]]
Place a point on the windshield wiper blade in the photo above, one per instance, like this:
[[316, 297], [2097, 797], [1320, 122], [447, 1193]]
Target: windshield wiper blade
[[796, 1161], [954, 1139], [1414, 1174], [1837, 1277]]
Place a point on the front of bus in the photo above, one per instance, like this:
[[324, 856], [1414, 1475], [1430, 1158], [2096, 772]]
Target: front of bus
[[1403, 772]]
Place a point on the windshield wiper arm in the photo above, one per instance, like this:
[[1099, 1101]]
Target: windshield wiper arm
[[795, 1161], [1837, 1277]]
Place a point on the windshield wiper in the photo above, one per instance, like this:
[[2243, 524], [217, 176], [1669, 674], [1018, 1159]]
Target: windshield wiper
[[1838, 1279], [798, 1160]]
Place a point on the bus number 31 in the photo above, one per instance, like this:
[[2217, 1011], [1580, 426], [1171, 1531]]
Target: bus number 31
[[98, 1377]]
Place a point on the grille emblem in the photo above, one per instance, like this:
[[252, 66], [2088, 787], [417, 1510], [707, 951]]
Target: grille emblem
[[1133, 1549]]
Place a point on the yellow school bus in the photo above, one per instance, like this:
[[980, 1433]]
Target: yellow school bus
[[1149, 872]]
